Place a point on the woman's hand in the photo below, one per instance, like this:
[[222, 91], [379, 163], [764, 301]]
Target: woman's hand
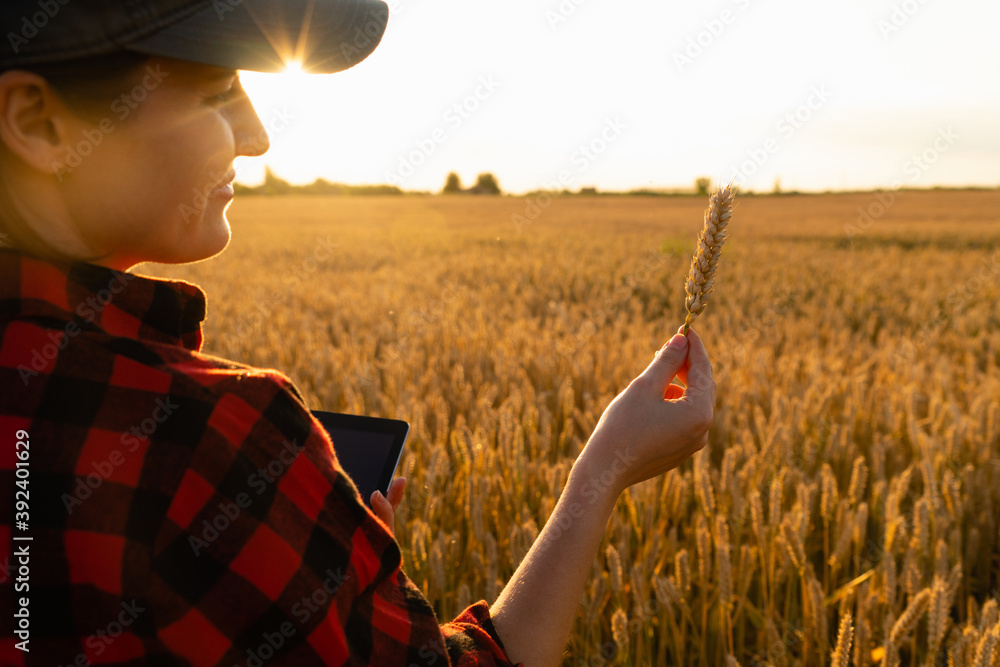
[[653, 426], [385, 508], [648, 429]]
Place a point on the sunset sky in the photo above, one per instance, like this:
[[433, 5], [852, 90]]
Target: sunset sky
[[648, 93]]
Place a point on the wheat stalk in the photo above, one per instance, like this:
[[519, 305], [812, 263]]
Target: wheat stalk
[[793, 545], [664, 593], [842, 653], [703, 544], [619, 628], [723, 563], [908, 621], [987, 648], [614, 568], [937, 626], [682, 570], [859, 477], [988, 615], [701, 276]]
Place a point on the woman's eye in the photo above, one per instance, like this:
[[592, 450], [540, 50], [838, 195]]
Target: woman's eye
[[223, 98], [227, 96]]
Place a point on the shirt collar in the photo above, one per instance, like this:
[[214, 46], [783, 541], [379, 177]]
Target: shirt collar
[[121, 304]]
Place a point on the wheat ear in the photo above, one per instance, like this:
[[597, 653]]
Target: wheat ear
[[987, 648], [701, 276], [842, 653], [914, 610]]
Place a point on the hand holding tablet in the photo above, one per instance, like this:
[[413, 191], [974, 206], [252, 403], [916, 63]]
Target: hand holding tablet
[[368, 448]]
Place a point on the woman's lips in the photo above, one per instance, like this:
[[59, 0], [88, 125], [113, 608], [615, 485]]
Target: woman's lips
[[225, 189]]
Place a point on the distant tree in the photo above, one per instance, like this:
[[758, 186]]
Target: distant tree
[[274, 185], [321, 186], [777, 185], [452, 184], [702, 184], [486, 183]]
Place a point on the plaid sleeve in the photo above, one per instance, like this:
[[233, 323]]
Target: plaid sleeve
[[472, 640]]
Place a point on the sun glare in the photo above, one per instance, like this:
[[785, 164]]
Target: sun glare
[[836, 119]]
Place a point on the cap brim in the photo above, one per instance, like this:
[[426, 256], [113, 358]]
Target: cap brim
[[266, 35]]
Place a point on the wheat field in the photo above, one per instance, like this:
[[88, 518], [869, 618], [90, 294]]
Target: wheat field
[[854, 459]]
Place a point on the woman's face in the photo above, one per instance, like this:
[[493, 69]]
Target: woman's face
[[151, 180]]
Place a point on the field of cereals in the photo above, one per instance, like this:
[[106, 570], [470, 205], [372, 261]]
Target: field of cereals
[[854, 463]]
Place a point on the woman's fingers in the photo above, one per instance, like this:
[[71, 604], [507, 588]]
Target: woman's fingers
[[396, 489], [385, 508], [698, 376], [668, 362], [686, 359]]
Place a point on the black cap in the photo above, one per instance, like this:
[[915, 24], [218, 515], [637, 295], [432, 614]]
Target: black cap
[[258, 35]]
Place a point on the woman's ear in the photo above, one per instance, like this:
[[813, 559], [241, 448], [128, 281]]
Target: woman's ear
[[35, 124]]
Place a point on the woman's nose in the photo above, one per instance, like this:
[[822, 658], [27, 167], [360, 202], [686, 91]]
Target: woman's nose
[[249, 132]]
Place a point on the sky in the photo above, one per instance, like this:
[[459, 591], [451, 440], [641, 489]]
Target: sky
[[564, 94]]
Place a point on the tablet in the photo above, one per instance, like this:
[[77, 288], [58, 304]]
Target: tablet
[[368, 448]]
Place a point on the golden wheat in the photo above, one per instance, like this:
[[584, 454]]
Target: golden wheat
[[939, 621], [502, 348], [701, 275], [987, 648], [682, 570], [906, 623], [842, 651]]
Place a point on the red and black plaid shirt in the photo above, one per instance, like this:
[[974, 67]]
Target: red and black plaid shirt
[[183, 509]]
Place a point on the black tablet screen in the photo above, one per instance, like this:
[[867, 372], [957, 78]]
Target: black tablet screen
[[368, 448], [362, 454]]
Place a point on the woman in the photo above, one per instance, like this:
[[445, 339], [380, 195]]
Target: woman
[[180, 508]]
